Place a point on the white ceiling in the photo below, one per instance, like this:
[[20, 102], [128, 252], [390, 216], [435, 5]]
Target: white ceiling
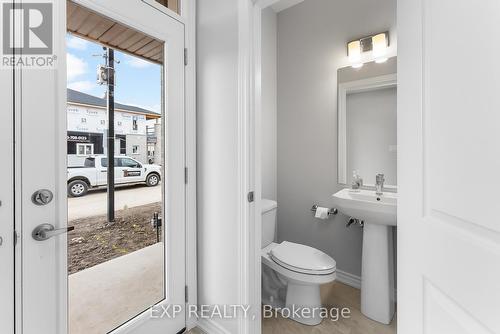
[[284, 4]]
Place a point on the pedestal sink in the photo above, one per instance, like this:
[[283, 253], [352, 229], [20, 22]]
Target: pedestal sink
[[377, 272]]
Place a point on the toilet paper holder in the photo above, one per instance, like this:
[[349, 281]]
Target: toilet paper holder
[[331, 212]]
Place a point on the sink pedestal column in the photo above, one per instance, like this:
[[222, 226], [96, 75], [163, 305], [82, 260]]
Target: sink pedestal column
[[377, 273]]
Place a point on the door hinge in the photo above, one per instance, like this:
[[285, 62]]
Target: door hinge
[[185, 56], [186, 293], [250, 197], [185, 175]]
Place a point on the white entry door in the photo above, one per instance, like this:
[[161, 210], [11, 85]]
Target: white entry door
[[41, 269], [449, 166]]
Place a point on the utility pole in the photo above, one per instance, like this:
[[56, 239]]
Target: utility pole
[[110, 65], [106, 76]]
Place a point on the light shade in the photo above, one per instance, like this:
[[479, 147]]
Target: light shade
[[354, 52], [380, 44]]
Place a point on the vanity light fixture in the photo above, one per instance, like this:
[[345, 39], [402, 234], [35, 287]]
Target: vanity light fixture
[[380, 44], [376, 44], [354, 52]]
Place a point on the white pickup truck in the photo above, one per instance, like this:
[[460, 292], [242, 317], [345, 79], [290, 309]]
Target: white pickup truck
[[93, 174]]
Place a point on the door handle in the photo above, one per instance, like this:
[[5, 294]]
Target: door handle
[[46, 231]]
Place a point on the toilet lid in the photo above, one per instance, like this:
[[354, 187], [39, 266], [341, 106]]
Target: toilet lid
[[303, 259]]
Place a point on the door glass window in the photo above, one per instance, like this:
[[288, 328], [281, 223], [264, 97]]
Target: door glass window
[[126, 162], [115, 269], [104, 162], [89, 163]]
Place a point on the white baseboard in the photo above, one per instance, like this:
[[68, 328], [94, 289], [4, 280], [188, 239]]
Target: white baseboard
[[349, 279], [210, 326]]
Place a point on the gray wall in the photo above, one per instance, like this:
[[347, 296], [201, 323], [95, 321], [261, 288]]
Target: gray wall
[[372, 135], [269, 104], [312, 39]]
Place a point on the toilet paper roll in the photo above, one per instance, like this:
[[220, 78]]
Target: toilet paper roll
[[321, 213]]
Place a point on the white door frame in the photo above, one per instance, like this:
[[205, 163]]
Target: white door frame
[[250, 111], [188, 17], [7, 304], [7, 203]]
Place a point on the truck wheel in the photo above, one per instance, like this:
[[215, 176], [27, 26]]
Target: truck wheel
[[153, 180], [77, 188]]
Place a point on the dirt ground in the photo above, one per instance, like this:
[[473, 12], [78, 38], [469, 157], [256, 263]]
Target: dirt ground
[[94, 241]]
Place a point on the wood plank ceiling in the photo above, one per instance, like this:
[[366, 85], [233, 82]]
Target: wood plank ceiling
[[97, 28]]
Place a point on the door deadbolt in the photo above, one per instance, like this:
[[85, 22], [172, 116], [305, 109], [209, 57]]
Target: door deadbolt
[[42, 197]]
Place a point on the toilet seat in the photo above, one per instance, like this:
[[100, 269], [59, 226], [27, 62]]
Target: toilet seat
[[302, 259]]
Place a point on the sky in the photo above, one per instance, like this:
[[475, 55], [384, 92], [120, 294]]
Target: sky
[[138, 82]]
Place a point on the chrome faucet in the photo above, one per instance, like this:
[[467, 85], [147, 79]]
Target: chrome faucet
[[379, 184]]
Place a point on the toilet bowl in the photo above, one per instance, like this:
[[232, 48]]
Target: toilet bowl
[[300, 268]]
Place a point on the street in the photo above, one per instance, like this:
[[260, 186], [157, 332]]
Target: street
[[95, 202]]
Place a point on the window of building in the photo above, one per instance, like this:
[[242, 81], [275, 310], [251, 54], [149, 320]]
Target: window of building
[[151, 152], [123, 144], [103, 122], [135, 126], [135, 149], [119, 123], [84, 149], [84, 120]]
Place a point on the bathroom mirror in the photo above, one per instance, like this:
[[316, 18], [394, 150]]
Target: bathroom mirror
[[367, 123]]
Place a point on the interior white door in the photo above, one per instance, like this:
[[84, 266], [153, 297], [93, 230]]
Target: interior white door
[[41, 266], [449, 161]]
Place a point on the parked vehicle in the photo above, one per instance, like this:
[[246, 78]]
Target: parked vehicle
[[93, 174]]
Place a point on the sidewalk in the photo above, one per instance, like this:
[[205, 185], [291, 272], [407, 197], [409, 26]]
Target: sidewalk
[[105, 296]]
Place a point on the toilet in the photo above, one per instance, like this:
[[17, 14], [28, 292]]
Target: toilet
[[292, 273]]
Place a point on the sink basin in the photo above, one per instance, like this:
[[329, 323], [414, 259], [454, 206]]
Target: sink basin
[[367, 206], [379, 214]]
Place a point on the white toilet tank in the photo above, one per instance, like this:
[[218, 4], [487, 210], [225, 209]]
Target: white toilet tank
[[268, 221]]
